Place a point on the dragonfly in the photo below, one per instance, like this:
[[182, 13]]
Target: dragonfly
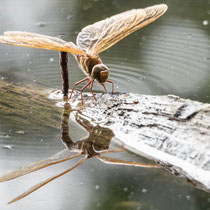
[[90, 42]]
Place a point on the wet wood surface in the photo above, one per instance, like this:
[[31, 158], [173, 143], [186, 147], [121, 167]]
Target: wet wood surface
[[171, 130], [27, 107]]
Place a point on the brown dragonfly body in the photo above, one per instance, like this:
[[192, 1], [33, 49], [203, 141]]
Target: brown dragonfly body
[[94, 69], [92, 40], [87, 62]]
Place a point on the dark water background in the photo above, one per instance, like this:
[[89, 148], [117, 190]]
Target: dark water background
[[170, 56]]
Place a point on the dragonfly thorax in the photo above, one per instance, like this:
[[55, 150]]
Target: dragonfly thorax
[[100, 72]]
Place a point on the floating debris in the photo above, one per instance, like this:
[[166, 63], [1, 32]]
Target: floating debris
[[20, 132], [51, 59], [205, 22], [41, 24], [7, 146], [188, 197], [69, 17], [6, 136], [144, 190], [97, 187], [125, 189]]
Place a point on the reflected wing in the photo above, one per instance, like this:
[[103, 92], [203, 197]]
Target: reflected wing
[[103, 34], [33, 40], [114, 161], [57, 158], [41, 184]]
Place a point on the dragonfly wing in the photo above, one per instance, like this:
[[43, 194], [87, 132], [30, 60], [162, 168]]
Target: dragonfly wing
[[62, 156], [41, 184], [101, 35], [114, 161], [34, 40]]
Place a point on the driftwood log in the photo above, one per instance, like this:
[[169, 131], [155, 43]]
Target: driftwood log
[[168, 129]]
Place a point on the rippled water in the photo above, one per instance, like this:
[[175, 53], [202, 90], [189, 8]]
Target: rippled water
[[170, 56]]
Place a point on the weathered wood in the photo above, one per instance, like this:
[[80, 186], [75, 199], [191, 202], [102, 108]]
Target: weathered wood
[[168, 129], [27, 108]]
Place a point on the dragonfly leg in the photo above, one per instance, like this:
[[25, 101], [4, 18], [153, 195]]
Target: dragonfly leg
[[103, 86], [112, 85], [88, 84], [77, 83], [121, 149], [90, 87]]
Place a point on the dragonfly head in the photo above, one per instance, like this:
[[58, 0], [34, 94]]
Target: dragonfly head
[[100, 72]]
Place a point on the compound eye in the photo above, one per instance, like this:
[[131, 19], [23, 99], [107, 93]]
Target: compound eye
[[100, 72], [103, 76]]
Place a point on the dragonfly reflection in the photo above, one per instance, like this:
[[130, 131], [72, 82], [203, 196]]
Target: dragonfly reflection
[[92, 40], [95, 145]]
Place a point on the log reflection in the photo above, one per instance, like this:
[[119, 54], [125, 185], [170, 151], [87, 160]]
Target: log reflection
[[96, 144], [98, 140]]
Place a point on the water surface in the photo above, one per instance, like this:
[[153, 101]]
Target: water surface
[[170, 56]]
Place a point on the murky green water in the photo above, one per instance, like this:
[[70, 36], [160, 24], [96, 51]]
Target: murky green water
[[171, 56]]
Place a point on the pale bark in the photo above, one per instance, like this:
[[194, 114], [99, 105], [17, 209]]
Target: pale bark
[[171, 130]]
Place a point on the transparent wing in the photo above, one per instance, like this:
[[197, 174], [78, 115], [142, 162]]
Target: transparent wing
[[114, 161], [101, 35], [25, 39], [41, 184], [55, 159]]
